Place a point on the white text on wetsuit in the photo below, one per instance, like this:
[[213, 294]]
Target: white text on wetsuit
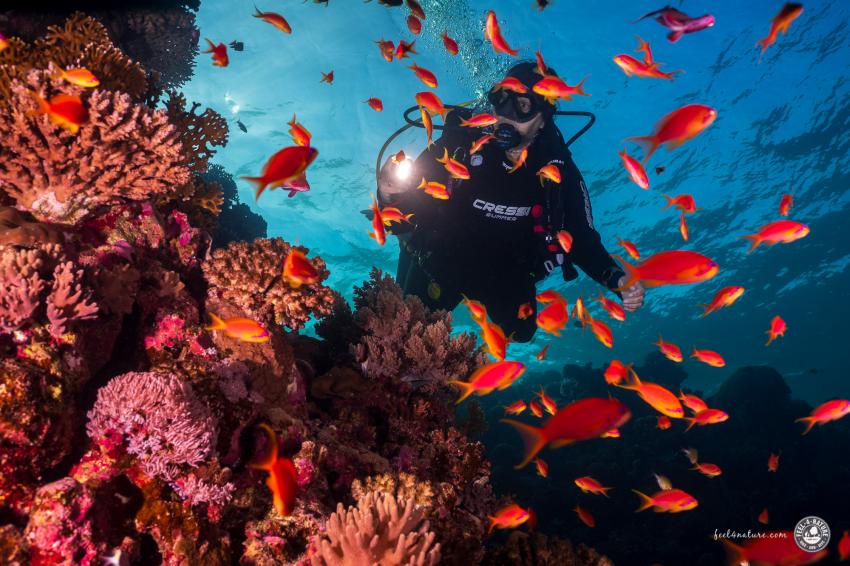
[[501, 211]]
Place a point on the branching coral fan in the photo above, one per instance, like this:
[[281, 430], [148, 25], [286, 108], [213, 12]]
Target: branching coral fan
[[380, 530]]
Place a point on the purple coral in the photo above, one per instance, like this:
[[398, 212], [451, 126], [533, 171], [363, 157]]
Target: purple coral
[[163, 422]]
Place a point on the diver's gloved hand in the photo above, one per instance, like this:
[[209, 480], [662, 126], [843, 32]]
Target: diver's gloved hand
[[632, 296], [390, 183]]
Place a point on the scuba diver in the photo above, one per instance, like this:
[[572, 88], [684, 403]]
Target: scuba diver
[[494, 238]]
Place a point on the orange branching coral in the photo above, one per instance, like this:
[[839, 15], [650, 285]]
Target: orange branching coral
[[198, 132], [249, 276], [125, 151], [380, 530]]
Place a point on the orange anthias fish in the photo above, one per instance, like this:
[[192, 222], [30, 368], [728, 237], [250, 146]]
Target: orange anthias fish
[[4, 43], [844, 546], [432, 103], [553, 318], [64, 110], [549, 172], [79, 77], [493, 33], [427, 123], [553, 88], [375, 104], [616, 372], [613, 433], [667, 501], [535, 408], [635, 170], [541, 355], [378, 233], [487, 378], [327, 77], [772, 462], [404, 48], [785, 204], [387, 49], [283, 479], [495, 340], [244, 329], [565, 239], [706, 469], [723, 298], [479, 121], [671, 351], [771, 547], [707, 417], [763, 517], [455, 168], [656, 396], [580, 312], [427, 77], [648, 68], [414, 24], [585, 516], [630, 248], [219, 54], [542, 468], [416, 9], [780, 23], [476, 310], [512, 84], [678, 267], [676, 128], [709, 357], [589, 485], [390, 214], [613, 308], [685, 203], [274, 19], [525, 311], [550, 296], [781, 231], [479, 143], [297, 269], [826, 412], [449, 43], [777, 328], [520, 161], [663, 422], [602, 332], [692, 402], [515, 408], [398, 157], [300, 134], [547, 402], [581, 420], [541, 68], [510, 517], [284, 166]]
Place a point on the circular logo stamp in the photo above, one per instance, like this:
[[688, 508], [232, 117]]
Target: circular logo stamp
[[811, 534]]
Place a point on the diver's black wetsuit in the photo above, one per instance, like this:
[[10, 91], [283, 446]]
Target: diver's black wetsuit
[[488, 240]]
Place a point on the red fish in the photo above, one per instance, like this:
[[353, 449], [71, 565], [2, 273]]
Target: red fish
[[589, 485], [707, 417], [493, 33], [489, 377], [692, 402], [553, 88], [763, 517], [616, 372], [300, 134], [390, 214], [375, 104], [667, 501], [709, 357], [4, 43], [541, 355], [613, 309], [244, 329], [630, 248], [723, 298], [553, 318], [676, 128], [510, 517], [427, 124], [548, 403], [772, 462], [541, 68], [565, 239], [844, 546], [643, 69], [79, 77], [495, 340], [771, 547], [781, 231], [449, 43], [677, 267], [706, 469], [785, 204], [511, 83], [283, 479], [535, 408], [585, 516], [404, 48], [284, 166], [64, 110], [685, 203], [431, 102], [826, 412], [656, 396], [414, 24], [274, 19], [378, 233], [427, 77], [476, 310], [327, 77], [683, 227], [550, 296], [219, 54], [542, 468], [297, 269], [479, 121], [671, 351], [602, 332], [515, 408], [581, 420], [479, 143], [663, 422], [777, 328], [549, 172], [525, 311], [520, 161], [387, 49], [635, 170], [780, 23], [416, 9], [455, 168], [581, 313], [679, 23]]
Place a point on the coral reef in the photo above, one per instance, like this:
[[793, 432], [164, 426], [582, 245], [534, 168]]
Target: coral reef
[[536, 549]]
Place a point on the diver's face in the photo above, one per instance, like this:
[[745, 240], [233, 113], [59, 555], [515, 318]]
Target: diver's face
[[527, 130]]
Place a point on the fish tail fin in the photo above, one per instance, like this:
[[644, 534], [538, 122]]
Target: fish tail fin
[[492, 524], [293, 121], [211, 44], [754, 239], [257, 12], [706, 309], [466, 390], [43, 106], [691, 422], [669, 200], [810, 422], [217, 323], [605, 491], [645, 501], [648, 143], [261, 185], [532, 439], [580, 87], [734, 553], [445, 157], [632, 273], [269, 461]]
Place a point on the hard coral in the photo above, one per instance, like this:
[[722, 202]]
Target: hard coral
[[124, 152], [249, 276], [197, 132], [380, 530], [164, 424], [539, 550]]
